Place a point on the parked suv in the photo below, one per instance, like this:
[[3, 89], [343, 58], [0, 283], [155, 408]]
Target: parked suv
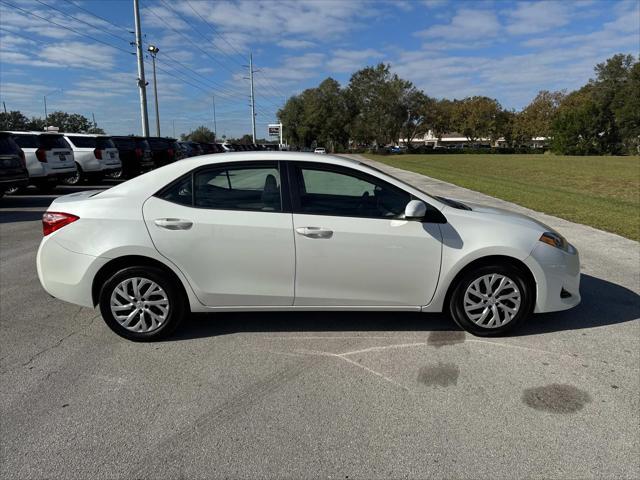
[[163, 150], [135, 155], [48, 158], [95, 156], [13, 168]]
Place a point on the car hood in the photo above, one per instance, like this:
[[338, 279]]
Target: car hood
[[505, 215]]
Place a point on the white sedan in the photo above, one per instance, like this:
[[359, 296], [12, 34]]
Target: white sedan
[[294, 231]]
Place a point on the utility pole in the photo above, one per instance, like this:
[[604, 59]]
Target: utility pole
[[45, 111], [253, 100], [215, 127], [142, 85], [93, 115], [153, 50], [174, 128], [4, 105]]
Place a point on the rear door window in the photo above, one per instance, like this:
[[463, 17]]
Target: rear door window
[[250, 187]]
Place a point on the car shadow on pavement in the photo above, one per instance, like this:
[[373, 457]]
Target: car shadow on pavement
[[603, 303]]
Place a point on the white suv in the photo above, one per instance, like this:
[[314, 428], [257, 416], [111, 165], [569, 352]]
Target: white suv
[[95, 155], [48, 158]]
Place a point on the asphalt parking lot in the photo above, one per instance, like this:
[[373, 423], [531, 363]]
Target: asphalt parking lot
[[323, 394]]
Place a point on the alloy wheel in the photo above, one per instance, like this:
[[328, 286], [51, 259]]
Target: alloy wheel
[[139, 304], [492, 300]]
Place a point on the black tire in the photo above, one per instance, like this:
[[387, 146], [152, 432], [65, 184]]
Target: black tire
[[177, 303], [74, 179], [516, 275]]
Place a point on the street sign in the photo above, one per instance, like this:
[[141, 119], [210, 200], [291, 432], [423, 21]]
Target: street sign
[[274, 130]]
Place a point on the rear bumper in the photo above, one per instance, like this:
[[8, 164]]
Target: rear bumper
[[65, 274], [557, 275]]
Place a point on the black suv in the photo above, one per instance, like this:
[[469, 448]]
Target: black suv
[[135, 155], [163, 150], [13, 169]]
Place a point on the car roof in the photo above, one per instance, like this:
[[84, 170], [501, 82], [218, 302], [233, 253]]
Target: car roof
[[93, 135], [31, 132]]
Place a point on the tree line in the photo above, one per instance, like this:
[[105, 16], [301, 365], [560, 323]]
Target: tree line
[[377, 108], [66, 122]]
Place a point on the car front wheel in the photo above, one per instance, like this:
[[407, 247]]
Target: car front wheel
[[491, 300], [142, 304]]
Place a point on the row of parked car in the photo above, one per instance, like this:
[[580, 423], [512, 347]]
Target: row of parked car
[[47, 159]]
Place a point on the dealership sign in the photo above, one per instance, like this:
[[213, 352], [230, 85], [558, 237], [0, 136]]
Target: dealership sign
[[274, 129]]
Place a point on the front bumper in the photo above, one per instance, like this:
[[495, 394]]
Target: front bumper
[[557, 276]]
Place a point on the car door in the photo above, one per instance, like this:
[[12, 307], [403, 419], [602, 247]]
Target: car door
[[352, 246], [225, 227]]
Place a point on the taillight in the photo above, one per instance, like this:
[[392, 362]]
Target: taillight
[[52, 221], [138, 152], [98, 153], [170, 152], [41, 155], [23, 158]]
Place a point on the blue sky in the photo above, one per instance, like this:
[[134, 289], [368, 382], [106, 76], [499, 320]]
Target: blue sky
[[503, 49]]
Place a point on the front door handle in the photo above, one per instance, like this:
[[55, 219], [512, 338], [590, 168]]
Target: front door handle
[[314, 232], [173, 223]]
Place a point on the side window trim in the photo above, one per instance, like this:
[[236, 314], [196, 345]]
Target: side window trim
[[295, 173]]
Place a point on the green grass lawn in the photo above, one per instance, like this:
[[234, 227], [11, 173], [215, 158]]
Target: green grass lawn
[[603, 192]]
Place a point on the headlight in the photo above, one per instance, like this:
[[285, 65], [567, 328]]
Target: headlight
[[555, 240]]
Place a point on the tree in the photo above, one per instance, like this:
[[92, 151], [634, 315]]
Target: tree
[[603, 117], [200, 134], [379, 99], [13, 120], [477, 117], [580, 126], [72, 123], [536, 119]]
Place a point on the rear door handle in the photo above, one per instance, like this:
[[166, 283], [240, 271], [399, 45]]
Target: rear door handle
[[173, 223], [314, 232]]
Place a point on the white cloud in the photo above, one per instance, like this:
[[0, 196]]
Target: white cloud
[[466, 24], [536, 17], [351, 60], [295, 44]]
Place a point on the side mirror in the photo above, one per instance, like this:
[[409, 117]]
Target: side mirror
[[415, 210]]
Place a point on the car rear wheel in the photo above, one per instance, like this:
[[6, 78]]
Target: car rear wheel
[[491, 300], [142, 304], [75, 178]]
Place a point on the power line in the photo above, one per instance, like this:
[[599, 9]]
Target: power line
[[118, 36], [64, 26], [82, 21], [168, 7]]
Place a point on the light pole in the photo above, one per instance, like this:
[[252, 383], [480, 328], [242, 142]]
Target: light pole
[[44, 97], [153, 50]]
